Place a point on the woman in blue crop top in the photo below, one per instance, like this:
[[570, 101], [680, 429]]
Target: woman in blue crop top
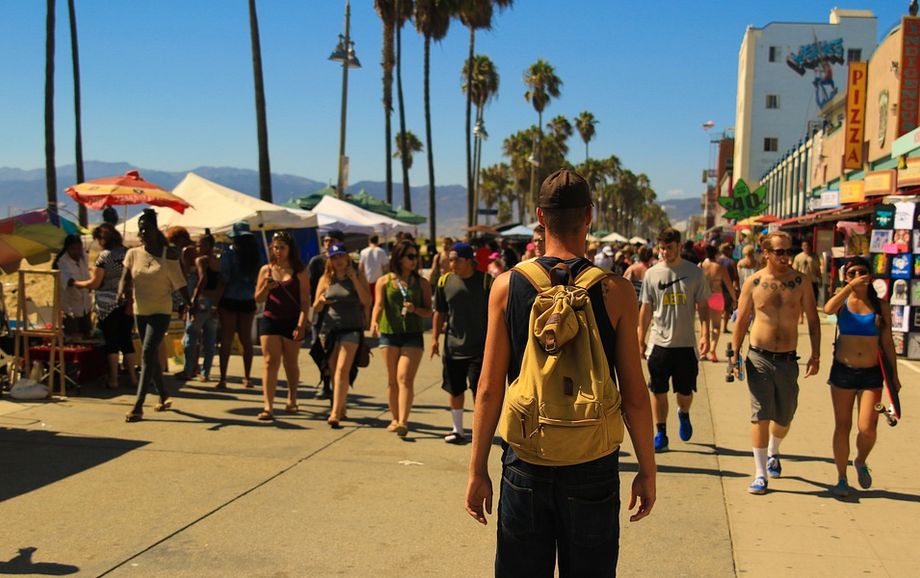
[[864, 328]]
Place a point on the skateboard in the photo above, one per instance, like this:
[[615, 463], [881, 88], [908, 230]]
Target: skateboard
[[892, 413]]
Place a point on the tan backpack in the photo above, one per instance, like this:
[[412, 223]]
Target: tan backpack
[[564, 407]]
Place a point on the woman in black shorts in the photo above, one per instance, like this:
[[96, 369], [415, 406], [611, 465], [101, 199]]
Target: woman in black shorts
[[284, 286], [864, 329], [236, 289]]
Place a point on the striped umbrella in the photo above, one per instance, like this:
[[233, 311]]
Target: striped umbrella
[[33, 236], [128, 189]]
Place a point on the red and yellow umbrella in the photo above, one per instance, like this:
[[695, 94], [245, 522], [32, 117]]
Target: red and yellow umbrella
[[128, 189]]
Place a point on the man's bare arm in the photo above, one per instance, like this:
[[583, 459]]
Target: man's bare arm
[[637, 412], [814, 328], [645, 318], [490, 396]]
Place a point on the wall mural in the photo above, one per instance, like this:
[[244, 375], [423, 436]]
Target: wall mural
[[819, 56]]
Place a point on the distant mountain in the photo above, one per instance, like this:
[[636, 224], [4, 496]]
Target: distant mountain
[[21, 190], [681, 209]]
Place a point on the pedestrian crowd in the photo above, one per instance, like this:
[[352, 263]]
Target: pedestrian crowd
[[485, 300]]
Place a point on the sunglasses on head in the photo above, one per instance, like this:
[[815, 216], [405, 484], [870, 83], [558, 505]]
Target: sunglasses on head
[[856, 272], [782, 252]]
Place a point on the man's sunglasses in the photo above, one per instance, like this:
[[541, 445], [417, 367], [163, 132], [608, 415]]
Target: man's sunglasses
[[782, 252]]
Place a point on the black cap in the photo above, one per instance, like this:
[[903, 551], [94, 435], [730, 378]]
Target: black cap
[[335, 234], [564, 189]]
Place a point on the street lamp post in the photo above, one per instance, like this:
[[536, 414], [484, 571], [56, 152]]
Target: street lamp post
[[479, 131], [344, 53], [534, 160]]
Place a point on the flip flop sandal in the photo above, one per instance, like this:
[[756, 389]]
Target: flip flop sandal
[[292, 408], [132, 417], [163, 406], [265, 416]]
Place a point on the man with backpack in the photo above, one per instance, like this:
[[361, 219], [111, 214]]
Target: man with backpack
[[462, 304], [561, 343], [674, 290]]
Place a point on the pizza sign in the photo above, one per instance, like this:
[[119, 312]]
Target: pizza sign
[[745, 203]]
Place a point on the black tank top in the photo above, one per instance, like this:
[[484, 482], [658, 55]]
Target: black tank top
[[521, 295]]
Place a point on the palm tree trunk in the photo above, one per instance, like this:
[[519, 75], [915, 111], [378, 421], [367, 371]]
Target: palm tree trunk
[[431, 192], [388, 108], [407, 196], [470, 208], [50, 170], [78, 137], [265, 173]]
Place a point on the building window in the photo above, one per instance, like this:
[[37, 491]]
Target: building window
[[772, 101], [854, 55], [770, 144], [774, 53]]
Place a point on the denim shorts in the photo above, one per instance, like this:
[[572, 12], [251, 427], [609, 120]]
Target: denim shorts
[[412, 340], [855, 378]]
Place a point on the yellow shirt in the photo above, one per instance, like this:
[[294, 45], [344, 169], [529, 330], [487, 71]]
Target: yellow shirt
[[155, 278]]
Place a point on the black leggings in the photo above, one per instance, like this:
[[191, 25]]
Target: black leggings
[[117, 328]]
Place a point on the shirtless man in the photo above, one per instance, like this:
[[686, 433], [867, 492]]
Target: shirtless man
[[777, 295]]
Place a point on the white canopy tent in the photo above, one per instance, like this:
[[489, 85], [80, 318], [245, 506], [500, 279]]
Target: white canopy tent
[[637, 240], [217, 208], [329, 222], [381, 224], [614, 238]]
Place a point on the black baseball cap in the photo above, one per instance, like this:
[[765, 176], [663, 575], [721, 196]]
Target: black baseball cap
[[565, 189]]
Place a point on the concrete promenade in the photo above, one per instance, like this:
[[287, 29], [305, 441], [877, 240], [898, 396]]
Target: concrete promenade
[[206, 490]]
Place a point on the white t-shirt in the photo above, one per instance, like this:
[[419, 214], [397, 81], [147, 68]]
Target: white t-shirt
[[673, 293], [374, 260]]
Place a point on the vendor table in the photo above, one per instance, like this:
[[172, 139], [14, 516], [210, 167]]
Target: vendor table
[[90, 361]]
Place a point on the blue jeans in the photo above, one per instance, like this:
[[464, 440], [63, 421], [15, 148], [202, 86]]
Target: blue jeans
[[204, 323], [575, 509], [152, 329]]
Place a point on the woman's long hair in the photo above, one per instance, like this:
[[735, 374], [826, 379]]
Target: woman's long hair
[[874, 300], [107, 236], [293, 252], [69, 241], [399, 251]]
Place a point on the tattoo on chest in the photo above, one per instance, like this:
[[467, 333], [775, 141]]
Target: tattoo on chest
[[790, 285]]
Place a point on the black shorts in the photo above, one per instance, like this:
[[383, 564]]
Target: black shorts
[[238, 305], [855, 378], [460, 375], [282, 327], [678, 365]]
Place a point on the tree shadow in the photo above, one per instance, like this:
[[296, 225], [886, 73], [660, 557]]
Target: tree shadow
[[31, 459], [22, 564]]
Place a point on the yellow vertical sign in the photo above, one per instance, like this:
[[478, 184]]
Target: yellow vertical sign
[[856, 115]]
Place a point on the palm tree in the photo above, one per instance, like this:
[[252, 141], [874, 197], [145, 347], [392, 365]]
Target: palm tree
[[585, 122], [542, 84], [432, 20], [386, 9], [406, 145], [518, 147], [265, 172], [475, 15], [81, 177], [482, 87], [401, 6], [50, 170], [497, 188]]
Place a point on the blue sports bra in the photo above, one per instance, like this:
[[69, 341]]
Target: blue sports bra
[[859, 324]]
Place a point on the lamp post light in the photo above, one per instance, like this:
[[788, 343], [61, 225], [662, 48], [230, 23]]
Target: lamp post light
[[479, 131], [534, 160], [344, 53]]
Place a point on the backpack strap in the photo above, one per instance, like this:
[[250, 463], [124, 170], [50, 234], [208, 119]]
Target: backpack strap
[[590, 276], [442, 280], [535, 273], [487, 282]]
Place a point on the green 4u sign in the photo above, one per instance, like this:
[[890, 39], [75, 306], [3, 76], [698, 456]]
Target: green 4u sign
[[745, 203]]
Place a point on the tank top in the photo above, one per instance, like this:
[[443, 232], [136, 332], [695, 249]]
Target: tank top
[[392, 320], [284, 300], [346, 313]]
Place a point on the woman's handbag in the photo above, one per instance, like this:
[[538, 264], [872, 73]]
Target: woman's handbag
[[363, 355]]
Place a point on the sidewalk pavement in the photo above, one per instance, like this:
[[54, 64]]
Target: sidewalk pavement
[[207, 490]]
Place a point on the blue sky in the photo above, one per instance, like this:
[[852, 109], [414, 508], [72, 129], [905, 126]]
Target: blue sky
[[168, 84]]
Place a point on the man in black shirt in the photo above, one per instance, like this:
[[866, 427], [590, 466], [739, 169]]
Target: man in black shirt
[[462, 303]]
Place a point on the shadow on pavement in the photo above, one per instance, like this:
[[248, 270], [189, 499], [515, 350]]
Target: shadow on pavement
[[31, 459], [22, 564]]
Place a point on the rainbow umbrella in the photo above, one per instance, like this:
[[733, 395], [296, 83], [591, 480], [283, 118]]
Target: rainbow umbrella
[[128, 189], [33, 236]]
